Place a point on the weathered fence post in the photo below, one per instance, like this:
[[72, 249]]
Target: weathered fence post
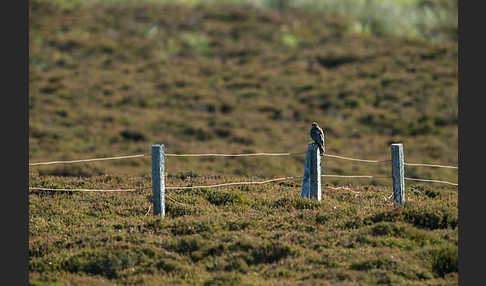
[[158, 184], [311, 186], [306, 181], [398, 173]]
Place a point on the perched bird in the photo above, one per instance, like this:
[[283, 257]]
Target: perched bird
[[317, 135]]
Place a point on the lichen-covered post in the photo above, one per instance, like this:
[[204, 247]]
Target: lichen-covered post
[[311, 186], [158, 184], [398, 173]]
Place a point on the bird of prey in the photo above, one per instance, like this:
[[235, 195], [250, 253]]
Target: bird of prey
[[317, 135]]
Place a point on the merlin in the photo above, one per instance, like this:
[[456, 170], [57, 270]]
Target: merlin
[[317, 135]]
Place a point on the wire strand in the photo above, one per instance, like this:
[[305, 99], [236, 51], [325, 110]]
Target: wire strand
[[262, 182], [86, 160], [80, 190], [430, 165], [356, 176], [146, 214], [230, 184], [355, 159], [432, 181], [236, 155], [174, 201], [166, 155], [231, 155]]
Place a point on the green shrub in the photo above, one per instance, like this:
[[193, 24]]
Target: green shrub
[[198, 133], [283, 202], [168, 265], [236, 263], [296, 203], [366, 265], [238, 225], [72, 171], [218, 198], [373, 264], [108, 263], [271, 252], [389, 216], [355, 222], [187, 245], [176, 210], [223, 280], [49, 282], [184, 227], [386, 229], [445, 261], [430, 218], [132, 135], [154, 225], [306, 204], [322, 218]]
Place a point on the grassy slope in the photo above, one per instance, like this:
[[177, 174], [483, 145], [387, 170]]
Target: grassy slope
[[108, 80]]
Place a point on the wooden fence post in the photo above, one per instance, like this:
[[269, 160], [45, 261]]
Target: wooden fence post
[[398, 173], [306, 181], [158, 180], [311, 186]]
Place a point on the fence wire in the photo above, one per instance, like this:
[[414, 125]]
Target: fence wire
[[237, 155], [80, 190], [234, 183], [430, 165], [174, 201], [241, 183], [431, 181], [232, 155], [357, 176], [238, 183], [231, 184], [87, 160], [355, 159]]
